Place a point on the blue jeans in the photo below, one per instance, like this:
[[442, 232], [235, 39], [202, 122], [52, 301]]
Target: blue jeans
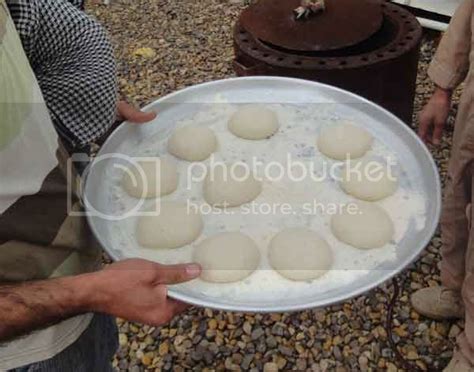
[[92, 352]]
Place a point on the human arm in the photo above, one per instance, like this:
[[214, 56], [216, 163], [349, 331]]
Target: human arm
[[434, 115], [134, 290], [447, 70]]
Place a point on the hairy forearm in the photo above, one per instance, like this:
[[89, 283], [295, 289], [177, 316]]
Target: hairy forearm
[[33, 305], [131, 289]]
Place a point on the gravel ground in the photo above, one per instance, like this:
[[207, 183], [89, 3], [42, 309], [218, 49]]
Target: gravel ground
[[163, 46]]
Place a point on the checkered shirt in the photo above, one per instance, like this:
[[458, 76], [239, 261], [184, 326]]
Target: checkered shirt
[[74, 63]]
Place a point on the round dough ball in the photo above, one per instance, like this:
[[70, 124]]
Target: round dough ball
[[151, 178], [254, 122], [227, 257], [173, 226], [344, 140], [300, 254], [364, 226], [230, 185], [192, 143], [368, 180]]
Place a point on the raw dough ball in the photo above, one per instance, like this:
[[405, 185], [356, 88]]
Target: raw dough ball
[[300, 254], [230, 185], [344, 140], [368, 180], [254, 122], [227, 257], [192, 143], [365, 226], [173, 226], [160, 177]]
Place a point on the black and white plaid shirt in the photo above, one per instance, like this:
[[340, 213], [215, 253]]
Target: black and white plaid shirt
[[74, 63]]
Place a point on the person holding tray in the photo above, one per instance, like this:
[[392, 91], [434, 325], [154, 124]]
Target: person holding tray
[[57, 307]]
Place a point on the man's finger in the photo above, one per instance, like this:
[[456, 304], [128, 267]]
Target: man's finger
[[130, 113], [174, 274]]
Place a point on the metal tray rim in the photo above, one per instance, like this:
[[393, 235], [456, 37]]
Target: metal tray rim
[[388, 274]]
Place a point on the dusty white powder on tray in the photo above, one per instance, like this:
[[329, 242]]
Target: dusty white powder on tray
[[297, 136]]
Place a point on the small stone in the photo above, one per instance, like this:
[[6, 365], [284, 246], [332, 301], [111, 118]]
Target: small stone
[[164, 348], [401, 331], [139, 354], [247, 327], [230, 365], [197, 355], [212, 324], [261, 347], [276, 317], [123, 364], [363, 362], [144, 52], [387, 353], [278, 330], [246, 361], [285, 350], [270, 367], [391, 367], [299, 348], [208, 357], [271, 342], [281, 363], [422, 327], [301, 364], [149, 340], [442, 329], [337, 353], [257, 333], [320, 315], [421, 365], [324, 364], [213, 348], [146, 360], [123, 339], [381, 332]]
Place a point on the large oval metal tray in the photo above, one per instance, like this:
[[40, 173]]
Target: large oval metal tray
[[412, 154]]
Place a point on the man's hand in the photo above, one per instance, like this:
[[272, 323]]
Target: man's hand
[[434, 116], [136, 290], [126, 111]]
